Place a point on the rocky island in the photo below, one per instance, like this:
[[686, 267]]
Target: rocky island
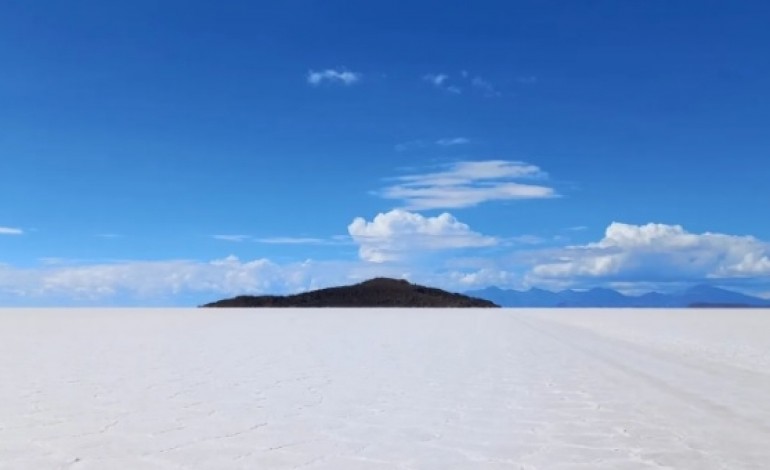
[[377, 292]]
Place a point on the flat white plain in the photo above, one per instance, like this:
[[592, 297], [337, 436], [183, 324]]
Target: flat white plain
[[384, 389]]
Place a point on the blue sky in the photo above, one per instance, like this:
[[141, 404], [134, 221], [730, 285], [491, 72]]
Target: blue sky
[[166, 153]]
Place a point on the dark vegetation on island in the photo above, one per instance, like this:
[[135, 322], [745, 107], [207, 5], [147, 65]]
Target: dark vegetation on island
[[378, 292]]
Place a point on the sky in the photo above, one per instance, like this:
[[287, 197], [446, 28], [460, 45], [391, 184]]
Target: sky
[[176, 152]]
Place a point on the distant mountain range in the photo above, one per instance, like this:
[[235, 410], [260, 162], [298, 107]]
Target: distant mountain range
[[698, 296]]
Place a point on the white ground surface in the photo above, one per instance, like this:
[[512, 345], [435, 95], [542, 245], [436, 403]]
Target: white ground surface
[[384, 389]]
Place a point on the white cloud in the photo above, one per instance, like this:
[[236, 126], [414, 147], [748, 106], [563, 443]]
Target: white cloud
[[335, 240], [392, 235], [418, 144], [444, 82], [411, 145], [52, 260], [484, 87], [437, 79], [482, 278], [11, 231], [448, 142], [231, 238], [292, 241], [60, 282], [468, 183], [343, 77], [154, 279], [633, 258], [657, 252], [527, 240], [441, 81]]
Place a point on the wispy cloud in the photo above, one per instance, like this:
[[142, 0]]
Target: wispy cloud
[[437, 79], [465, 80], [448, 142], [444, 142], [527, 240], [335, 240], [411, 145], [343, 77], [392, 235], [527, 80], [484, 86], [468, 183], [231, 238], [53, 261], [441, 81], [11, 231], [108, 235], [293, 241]]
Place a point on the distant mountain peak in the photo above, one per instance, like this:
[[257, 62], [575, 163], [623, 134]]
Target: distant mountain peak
[[698, 295], [536, 289], [706, 288]]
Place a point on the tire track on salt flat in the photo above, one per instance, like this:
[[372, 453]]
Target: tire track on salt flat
[[687, 383]]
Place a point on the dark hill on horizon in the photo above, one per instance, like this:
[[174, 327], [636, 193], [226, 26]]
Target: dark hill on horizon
[[377, 292]]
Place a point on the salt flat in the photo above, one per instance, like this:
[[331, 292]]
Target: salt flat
[[384, 389]]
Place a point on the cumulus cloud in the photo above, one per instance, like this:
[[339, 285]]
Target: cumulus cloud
[[343, 77], [657, 253], [633, 258], [11, 231], [468, 183], [390, 236]]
